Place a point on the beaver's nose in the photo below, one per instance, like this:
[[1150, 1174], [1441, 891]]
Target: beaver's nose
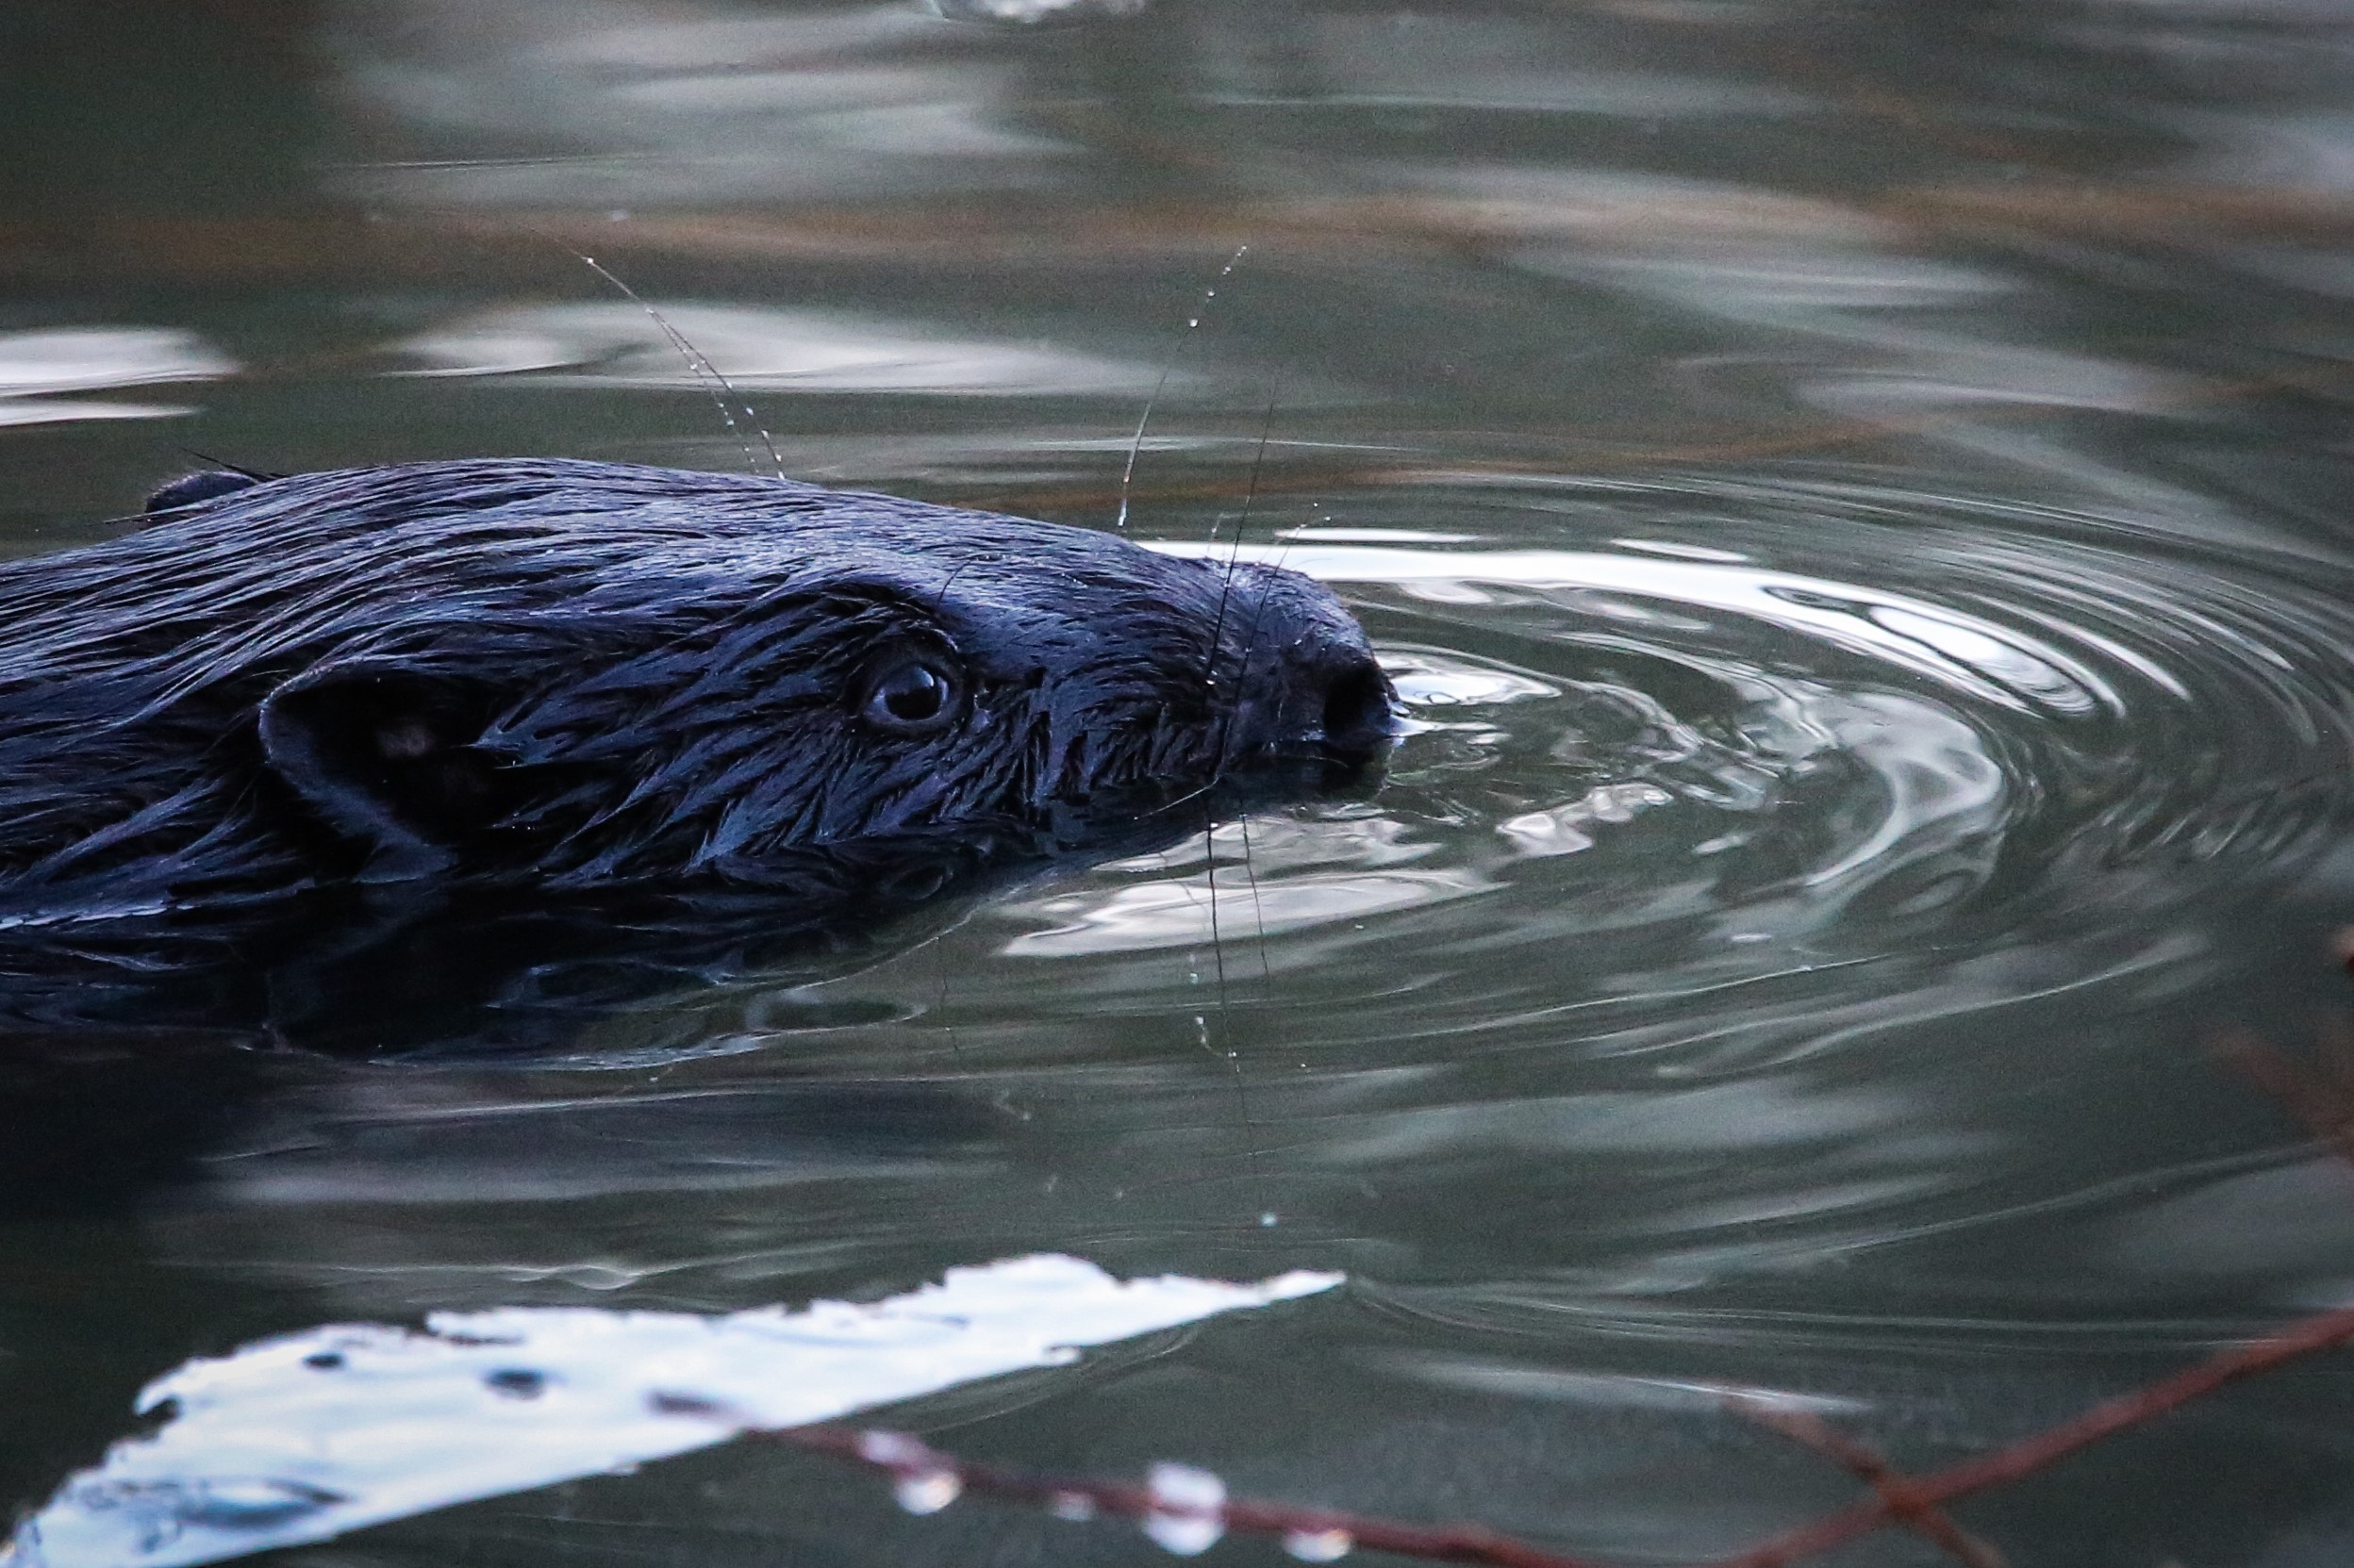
[[1333, 700], [1359, 712], [1310, 685]]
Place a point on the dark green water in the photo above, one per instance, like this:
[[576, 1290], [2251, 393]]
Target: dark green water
[[1854, 495]]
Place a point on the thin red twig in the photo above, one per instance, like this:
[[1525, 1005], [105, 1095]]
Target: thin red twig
[[1313, 1532], [1475, 1544], [1902, 1492], [2323, 1100], [1900, 1500], [2325, 1332]]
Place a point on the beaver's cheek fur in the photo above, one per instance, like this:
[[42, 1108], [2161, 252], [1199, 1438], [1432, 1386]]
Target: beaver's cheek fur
[[578, 675]]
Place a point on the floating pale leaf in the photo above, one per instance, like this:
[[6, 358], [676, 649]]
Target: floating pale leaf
[[306, 1437]]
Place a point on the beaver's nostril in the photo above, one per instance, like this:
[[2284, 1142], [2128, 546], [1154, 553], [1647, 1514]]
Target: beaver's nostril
[[1357, 719]]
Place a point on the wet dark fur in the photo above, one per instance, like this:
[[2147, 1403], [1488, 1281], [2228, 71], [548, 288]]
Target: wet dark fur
[[565, 675]]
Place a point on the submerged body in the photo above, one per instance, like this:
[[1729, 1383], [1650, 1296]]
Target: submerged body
[[586, 675]]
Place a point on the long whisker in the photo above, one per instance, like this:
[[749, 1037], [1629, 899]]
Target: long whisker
[[949, 582], [1218, 942], [1168, 367], [1242, 524], [1225, 732], [1226, 588], [1226, 1047], [939, 990], [1258, 906], [1209, 832], [700, 365], [1172, 804]]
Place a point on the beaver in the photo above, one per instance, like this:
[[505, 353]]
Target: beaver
[[560, 674]]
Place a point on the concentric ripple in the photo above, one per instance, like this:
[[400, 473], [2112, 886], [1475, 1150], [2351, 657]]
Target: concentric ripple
[[1730, 807], [1720, 734]]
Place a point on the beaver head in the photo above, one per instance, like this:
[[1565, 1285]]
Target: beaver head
[[581, 674]]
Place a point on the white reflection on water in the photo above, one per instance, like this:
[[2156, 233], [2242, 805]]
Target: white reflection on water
[[1495, 1375], [34, 365], [1277, 843], [668, 106], [1271, 896], [1748, 1114], [1969, 654], [1426, 679], [1180, 912], [314, 1434], [810, 351], [1026, 12], [1565, 830]]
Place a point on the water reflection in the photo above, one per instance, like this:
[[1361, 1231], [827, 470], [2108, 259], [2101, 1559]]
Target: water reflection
[[35, 367], [1855, 499], [1975, 656], [657, 107], [1184, 914], [772, 350]]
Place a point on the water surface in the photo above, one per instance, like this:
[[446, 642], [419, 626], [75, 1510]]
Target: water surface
[[1853, 497]]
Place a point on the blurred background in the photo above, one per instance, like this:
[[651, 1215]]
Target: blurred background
[[1853, 494]]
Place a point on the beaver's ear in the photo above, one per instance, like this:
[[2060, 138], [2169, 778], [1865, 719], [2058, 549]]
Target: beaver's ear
[[385, 753], [190, 489]]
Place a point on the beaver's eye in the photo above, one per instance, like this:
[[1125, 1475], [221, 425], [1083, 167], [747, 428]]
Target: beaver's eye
[[913, 696]]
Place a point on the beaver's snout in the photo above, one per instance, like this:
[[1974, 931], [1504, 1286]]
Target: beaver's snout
[[1359, 718], [1311, 687], [1332, 704]]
